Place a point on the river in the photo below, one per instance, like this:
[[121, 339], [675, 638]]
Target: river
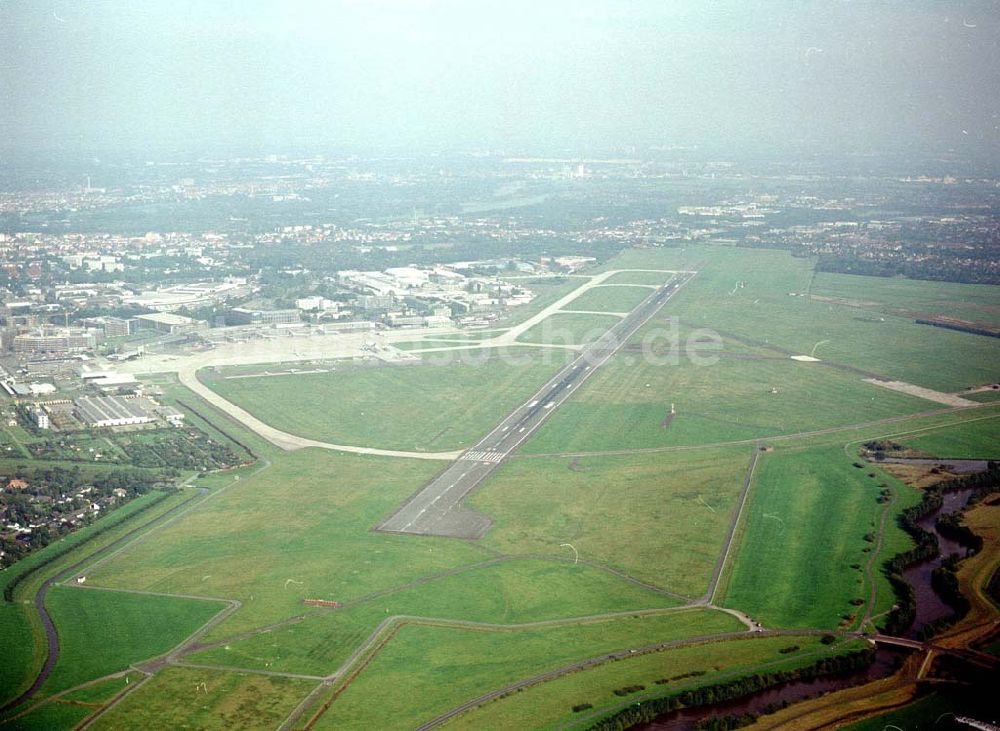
[[929, 604]]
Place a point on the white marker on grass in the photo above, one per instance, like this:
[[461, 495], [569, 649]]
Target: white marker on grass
[[576, 555], [821, 342]]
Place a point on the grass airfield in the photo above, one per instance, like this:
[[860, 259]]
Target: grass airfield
[[656, 519], [607, 522], [424, 406]]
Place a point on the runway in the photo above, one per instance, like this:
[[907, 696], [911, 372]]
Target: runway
[[437, 510]]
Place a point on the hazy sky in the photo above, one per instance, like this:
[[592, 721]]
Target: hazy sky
[[826, 75]]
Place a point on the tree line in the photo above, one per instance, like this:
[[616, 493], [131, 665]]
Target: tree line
[[708, 695]]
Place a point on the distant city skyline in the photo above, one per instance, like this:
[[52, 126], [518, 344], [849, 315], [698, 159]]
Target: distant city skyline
[[779, 76]]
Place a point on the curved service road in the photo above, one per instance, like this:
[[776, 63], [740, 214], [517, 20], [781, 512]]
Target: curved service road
[[289, 442]]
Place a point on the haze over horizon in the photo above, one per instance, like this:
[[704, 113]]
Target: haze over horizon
[[831, 77]]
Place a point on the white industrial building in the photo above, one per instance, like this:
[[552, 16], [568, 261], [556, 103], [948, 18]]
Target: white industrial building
[[196, 294], [111, 411], [40, 418], [171, 415], [108, 379], [168, 322]]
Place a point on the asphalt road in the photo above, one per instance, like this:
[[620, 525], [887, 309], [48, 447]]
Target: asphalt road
[[437, 510]]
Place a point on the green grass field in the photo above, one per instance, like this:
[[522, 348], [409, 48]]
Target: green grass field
[[510, 592], [103, 632], [618, 298], [550, 705], [306, 519], [569, 329], [102, 690], [624, 404], [984, 397], [805, 528], [22, 656], [672, 258], [69, 709], [22, 638], [894, 540], [54, 715], [639, 278], [976, 439], [975, 302], [414, 407], [430, 343], [763, 309], [190, 698], [424, 671], [547, 290], [660, 518]]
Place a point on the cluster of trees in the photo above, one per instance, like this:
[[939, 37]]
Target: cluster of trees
[[70, 448], [725, 723], [937, 269], [878, 447], [944, 579], [62, 549], [245, 458], [181, 449], [16, 548], [738, 687], [168, 449], [56, 480], [38, 504], [682, 676]]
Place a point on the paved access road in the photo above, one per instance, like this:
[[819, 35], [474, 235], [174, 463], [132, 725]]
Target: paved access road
[[188, 377], [437, 510]]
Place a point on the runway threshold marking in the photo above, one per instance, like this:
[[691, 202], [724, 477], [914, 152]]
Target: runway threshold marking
[[488, 455]]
